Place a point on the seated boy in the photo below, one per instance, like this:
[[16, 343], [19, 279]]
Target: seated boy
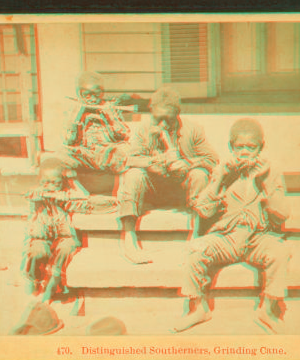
[[51, 240], [246, 201], [95, 137], [170, 159]]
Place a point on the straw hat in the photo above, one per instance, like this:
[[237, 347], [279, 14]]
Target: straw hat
[[38, 319], [107, 326]]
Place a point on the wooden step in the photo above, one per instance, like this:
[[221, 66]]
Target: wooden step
[[155, 220], [168, 220], [102, 266]]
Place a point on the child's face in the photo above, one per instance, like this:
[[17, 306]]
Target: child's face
[[165, 113], [51, 180], [92, 94], [246, 147]]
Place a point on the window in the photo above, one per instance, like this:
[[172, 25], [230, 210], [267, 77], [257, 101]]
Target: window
[[260, 57], [20, 127]]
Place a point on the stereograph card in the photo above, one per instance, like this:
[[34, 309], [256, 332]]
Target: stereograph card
[[149, 202]]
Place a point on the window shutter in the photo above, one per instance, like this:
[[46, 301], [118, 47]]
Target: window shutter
[[188, 58]]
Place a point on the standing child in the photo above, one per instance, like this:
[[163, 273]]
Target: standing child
[[246, 200], [51, 240]]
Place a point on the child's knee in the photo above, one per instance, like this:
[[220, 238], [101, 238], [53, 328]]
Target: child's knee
[[201, 244], [199, 176], [39, 250], [135, 175], [66, 247], [281, 253], [199, 253]]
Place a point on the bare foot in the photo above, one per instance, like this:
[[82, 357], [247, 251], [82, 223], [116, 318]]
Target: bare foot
[[269, 322], [132, 251], [191, 319]]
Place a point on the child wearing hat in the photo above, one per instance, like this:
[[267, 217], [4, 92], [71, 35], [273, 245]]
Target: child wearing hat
[[246, 204]]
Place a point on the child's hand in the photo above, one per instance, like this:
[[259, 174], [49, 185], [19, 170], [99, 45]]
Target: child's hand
[[58, 195], [179, 168], [39, 248], [236, 166], [140, 161], [246, 164], [229, 167], [70, 133], [157, 128], [260, 171], [123, 99], [158, 168], [170, 157], [261, 168]]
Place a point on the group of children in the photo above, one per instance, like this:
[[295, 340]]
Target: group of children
[[95, 137], [242, 200]]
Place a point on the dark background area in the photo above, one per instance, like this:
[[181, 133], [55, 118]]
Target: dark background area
[[142, 6]]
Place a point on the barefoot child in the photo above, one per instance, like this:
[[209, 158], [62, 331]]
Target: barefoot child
[[169, 158], [246, 201], [51, 240]]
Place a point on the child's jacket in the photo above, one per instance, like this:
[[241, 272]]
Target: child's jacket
[[257, 203], [100, 139], [190, 142]]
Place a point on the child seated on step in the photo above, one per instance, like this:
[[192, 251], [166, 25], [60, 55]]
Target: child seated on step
[[95, 136], [246, 203]]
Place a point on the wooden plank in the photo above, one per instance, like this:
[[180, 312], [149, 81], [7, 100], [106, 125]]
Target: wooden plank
[[155, 220], [119, 43], [19, 129], [129, 81], [120, 62], [136, 27]]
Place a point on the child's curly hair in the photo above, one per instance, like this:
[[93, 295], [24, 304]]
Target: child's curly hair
[[247, 126], [165, 96]]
